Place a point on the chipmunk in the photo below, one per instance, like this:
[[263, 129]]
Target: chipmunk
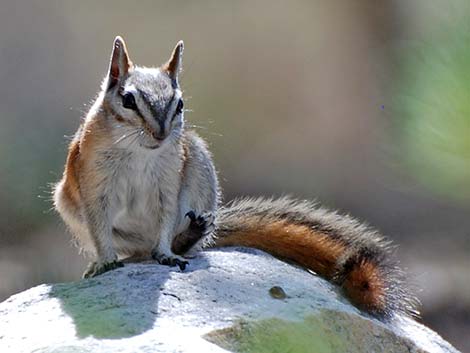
[[138, 183]]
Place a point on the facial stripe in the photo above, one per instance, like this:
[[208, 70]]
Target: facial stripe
[[174, 102], [160, 115], [149, 104], [139, 113]]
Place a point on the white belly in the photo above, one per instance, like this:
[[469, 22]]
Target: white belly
[[138, 204]]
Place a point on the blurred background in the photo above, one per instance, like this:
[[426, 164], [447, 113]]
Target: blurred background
[[363, 105]]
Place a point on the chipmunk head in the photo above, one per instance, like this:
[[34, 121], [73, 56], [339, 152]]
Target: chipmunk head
[[146, 103]]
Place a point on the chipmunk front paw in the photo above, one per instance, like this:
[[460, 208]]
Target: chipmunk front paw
[[203, 223], [96, 268], [200, 227]]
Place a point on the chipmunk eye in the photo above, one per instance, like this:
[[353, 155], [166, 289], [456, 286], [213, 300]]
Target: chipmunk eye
[[179, 107], [128, 101]]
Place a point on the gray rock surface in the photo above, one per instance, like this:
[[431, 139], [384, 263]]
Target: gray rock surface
[[222, 302]]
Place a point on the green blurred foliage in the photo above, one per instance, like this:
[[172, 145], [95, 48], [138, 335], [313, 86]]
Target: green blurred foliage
[[433, 104]]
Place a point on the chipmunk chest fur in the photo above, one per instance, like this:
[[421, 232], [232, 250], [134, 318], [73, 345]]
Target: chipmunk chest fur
[[139, 189]]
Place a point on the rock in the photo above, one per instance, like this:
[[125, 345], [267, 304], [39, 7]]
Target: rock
[[243, 301]]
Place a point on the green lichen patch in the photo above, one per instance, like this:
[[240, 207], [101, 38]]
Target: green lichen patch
[[327, 331], [277, 335]]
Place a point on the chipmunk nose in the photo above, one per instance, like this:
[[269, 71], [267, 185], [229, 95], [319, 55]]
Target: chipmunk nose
[[159, 135]]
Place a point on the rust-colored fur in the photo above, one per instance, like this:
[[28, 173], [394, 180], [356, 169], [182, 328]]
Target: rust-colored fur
[[293, 242], [71, 185], [365, 287]]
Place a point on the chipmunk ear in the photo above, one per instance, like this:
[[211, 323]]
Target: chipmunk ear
[[120, 63], [173, 66]]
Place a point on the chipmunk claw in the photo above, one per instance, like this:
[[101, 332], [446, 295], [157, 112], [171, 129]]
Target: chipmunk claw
[[170, 261], [191, 215], [96, 268]]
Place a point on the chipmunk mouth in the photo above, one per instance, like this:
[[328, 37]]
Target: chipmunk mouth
[[153, 140], [152, 147], [151, 144]]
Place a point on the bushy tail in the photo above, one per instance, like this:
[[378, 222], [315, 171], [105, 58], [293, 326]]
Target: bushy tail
[[336, 247]]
